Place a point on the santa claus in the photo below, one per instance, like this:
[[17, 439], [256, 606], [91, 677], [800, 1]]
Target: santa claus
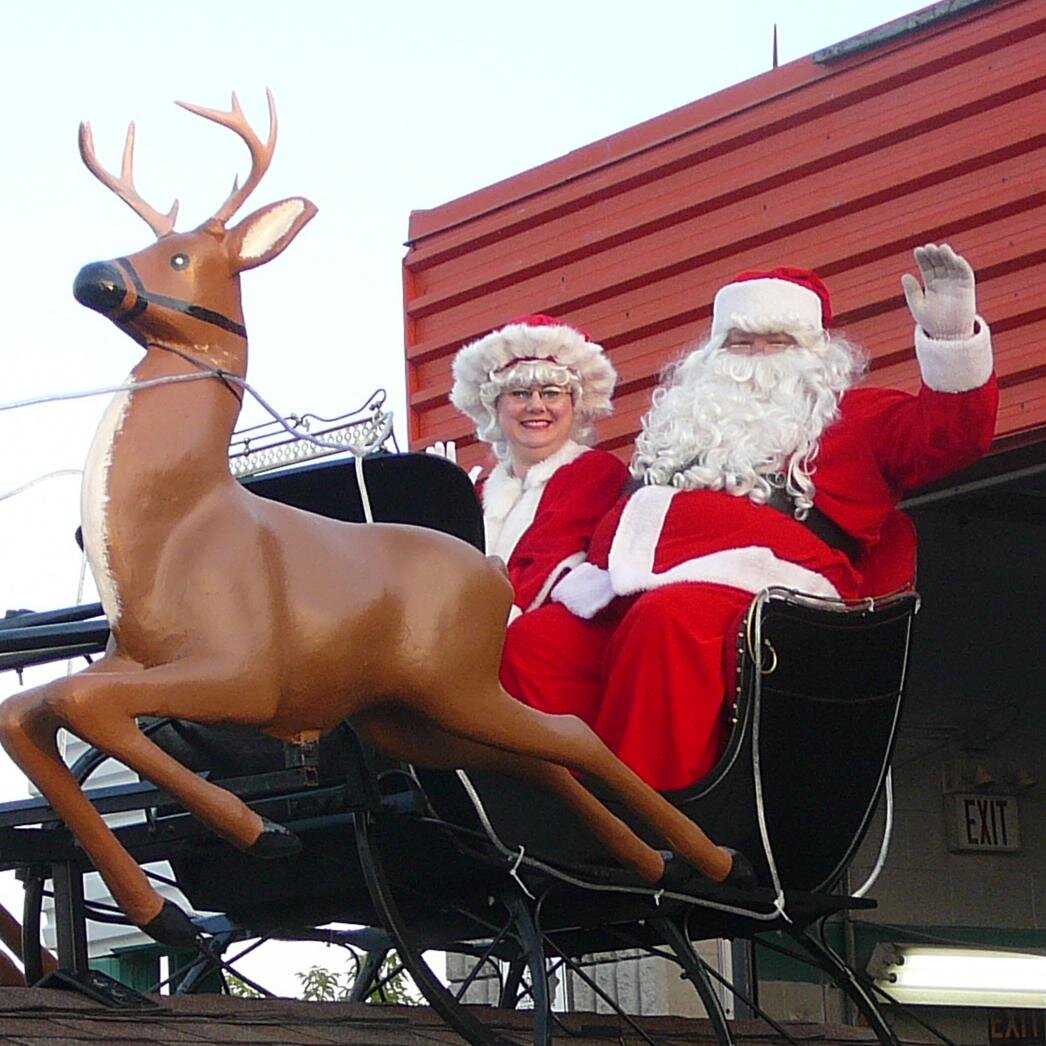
[[760, 463]]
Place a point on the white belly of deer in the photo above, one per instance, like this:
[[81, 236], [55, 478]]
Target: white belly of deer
[[94, 502]]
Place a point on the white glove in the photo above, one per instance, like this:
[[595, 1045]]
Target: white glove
[[449, 450], [947, 308]]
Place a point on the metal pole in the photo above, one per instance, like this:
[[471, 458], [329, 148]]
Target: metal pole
[[70, 927]]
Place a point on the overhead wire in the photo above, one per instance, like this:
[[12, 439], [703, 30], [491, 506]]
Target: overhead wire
[[358, 452]]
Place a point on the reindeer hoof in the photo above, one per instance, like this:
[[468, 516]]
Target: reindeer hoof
[[172, 927], [679, 877], [742, 873], [274, 841]]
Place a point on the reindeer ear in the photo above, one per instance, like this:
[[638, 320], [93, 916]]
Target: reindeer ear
[[264, 234]]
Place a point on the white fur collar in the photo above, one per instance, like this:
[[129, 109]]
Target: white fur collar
[[503, 490]]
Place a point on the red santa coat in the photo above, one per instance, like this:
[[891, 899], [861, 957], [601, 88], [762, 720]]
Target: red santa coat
[[636, 640], [541, 525]]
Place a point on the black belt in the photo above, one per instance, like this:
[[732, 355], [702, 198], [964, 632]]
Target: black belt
[[818, 524]]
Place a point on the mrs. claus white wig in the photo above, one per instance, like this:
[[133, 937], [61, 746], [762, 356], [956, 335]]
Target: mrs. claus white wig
[[532, 350]]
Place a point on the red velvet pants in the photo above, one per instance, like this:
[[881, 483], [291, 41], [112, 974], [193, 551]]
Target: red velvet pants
[[650, 674]]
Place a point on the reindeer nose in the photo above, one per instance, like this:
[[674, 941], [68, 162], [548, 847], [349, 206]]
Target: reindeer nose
[[99, 286]]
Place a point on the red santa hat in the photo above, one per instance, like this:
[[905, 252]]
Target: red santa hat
[[536, 339], [785, 299]]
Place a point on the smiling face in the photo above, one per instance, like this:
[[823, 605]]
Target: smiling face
[[536, 421]]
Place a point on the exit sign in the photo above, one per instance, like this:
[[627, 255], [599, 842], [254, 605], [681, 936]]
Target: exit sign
[[984, 823], [1017, 1027]]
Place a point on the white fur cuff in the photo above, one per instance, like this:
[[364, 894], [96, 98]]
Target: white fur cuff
[[561, 569], [584, 591], [955, 366]]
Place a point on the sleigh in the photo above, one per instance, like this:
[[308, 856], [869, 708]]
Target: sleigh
[[483, 866]]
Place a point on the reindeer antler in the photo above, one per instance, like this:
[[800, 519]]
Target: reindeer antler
[[261, 155], [161, 224]]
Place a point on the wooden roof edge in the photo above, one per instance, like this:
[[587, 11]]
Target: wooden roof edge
[[687, 118]]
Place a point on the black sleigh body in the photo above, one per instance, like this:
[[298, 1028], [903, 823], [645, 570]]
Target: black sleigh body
[[482, 866]]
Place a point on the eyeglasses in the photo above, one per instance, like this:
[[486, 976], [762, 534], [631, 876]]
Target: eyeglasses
[[550, 394], [739, 341]]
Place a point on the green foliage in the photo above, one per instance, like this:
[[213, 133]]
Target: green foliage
[[320, 984], [239, 989]]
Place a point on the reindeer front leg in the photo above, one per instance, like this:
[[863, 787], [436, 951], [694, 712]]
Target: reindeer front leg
[[101, 707], [28, 731]]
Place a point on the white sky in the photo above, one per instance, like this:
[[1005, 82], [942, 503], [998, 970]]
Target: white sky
[[384, 108]]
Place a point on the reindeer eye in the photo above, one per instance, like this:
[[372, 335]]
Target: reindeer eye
[[180, 261]]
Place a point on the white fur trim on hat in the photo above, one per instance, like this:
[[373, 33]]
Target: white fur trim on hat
[[955, 366], [478, 363], [769, 304]]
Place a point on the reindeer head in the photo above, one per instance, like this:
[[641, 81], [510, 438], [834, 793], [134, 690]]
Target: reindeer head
[[185, 288]]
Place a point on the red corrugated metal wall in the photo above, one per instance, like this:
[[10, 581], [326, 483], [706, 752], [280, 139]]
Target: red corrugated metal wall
[[938, 135]]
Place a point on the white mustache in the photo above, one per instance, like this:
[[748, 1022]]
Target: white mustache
[[766, 373]]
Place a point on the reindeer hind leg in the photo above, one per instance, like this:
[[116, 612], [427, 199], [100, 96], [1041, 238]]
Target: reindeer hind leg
[[505, 723], [412, 737]]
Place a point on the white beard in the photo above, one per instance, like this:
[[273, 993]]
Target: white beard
[[745, 424]]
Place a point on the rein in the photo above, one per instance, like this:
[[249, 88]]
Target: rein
[[233, 382]]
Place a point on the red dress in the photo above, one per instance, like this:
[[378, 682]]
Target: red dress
[[638, 642], [541, 525]]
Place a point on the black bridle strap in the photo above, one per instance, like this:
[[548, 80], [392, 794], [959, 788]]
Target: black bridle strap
[[197, 312]]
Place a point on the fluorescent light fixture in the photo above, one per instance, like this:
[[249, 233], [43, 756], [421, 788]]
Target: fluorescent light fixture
[[957, 976]]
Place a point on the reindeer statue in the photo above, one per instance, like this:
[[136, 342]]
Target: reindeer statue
[[225, 607]]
